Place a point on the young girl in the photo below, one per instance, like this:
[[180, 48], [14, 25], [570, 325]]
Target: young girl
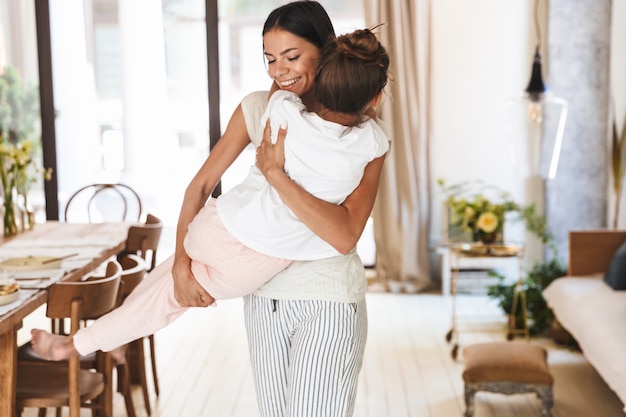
[[251, 233]]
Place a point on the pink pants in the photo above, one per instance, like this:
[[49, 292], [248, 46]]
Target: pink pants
[[222, 265]]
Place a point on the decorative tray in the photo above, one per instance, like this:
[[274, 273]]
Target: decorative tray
[[474, 248], [504, 249], [493, 249]]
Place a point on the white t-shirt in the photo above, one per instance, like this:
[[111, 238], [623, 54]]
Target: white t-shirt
[[325, 158], [336, 279]]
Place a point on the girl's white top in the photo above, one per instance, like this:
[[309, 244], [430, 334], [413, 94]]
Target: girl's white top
[[325, 158]]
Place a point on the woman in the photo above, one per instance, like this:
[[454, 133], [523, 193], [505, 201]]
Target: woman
[[307, 326], [249, 228]]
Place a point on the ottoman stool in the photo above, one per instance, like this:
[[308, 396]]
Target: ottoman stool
[[507, 368]]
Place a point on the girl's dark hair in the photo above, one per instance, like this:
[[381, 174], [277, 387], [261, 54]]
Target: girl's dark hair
[[306, 19], [353, 70]]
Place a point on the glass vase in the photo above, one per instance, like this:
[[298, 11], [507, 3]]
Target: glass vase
[[487, 238], [10, 215], [27, 213]]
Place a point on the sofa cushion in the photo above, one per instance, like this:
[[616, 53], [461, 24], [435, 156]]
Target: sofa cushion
[[615, 277]]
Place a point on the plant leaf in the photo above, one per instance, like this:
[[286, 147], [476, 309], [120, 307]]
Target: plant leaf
[[617, 159]]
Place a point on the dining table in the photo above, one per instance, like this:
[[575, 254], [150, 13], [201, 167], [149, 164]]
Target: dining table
[[84, 247]]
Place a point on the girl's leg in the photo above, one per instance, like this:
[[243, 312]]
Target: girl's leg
[[223, 265], [149, 307], [306, 355]]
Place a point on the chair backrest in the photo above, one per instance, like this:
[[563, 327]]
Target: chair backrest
[[143, 240], [133, 272], [102, 202], [93, 297]]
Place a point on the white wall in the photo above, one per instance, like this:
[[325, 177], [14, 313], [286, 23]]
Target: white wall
[[482, 55]]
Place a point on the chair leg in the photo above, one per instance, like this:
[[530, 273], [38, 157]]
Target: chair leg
[[138, 369], [155, 379], [123, 386]]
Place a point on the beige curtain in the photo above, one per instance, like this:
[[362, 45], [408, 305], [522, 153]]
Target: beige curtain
[[402, 211]]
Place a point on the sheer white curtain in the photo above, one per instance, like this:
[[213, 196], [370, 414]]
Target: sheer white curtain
[[402, 211]]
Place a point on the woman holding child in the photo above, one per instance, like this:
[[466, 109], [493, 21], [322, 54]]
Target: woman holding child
[[307, 326]]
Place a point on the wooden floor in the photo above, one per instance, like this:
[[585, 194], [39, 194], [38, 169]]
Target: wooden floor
[[408, 370]]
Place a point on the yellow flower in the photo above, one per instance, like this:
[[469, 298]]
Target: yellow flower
[[487, 222]]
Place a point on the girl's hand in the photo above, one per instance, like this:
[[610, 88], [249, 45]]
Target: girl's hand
[[270, 158], [187, 291]]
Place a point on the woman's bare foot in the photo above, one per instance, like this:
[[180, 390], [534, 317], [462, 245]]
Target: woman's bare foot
[[52, 347]]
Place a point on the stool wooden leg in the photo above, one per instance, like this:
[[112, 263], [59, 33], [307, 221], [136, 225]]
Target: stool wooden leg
[[469, 400]]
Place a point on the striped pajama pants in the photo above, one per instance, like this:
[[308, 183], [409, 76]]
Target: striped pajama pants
[[306, 355]]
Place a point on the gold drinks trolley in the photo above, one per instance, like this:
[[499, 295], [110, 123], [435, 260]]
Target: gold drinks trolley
[[495, 250]]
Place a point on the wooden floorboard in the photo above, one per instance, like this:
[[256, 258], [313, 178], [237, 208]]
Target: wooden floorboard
[[408, 371]]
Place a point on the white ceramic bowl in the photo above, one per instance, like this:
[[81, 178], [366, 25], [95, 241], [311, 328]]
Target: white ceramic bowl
[[10, 297], [9, 288]]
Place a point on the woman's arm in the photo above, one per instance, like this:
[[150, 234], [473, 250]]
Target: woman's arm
[[186, 289], [339, 225]]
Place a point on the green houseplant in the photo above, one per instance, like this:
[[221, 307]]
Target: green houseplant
[[539, 277], [618, 166]]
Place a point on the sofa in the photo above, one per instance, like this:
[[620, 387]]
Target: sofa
[[590, 302]]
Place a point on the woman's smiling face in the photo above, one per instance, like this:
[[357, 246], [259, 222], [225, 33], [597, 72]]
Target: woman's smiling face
[[291, 61]]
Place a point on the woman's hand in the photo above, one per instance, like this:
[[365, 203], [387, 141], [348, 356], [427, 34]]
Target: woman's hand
[[270, 158], [339, 225], [187, 291]]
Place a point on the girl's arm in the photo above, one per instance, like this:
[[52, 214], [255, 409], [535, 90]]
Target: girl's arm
[[339, 225], [187, 290]]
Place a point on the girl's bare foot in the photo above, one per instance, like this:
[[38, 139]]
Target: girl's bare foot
[[52, 347]]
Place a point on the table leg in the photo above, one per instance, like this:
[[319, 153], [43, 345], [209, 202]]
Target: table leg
[[8, 372]]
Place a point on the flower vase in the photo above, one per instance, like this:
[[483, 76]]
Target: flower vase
[[10, 218], [27, 213], [486, 238]]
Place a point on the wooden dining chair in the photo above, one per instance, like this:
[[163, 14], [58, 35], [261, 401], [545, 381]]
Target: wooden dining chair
[[143, 240], [43, 384], [102, 202], [133, 272]]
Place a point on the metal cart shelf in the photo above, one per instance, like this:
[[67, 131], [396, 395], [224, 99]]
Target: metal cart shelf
[[480, 250]]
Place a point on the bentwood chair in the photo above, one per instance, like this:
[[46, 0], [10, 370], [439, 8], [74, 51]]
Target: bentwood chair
[[42, 384], [101, 202], [143, 240]]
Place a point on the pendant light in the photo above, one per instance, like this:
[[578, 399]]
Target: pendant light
[[540, 102]]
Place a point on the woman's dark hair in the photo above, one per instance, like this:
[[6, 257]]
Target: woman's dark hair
[[306, 19], [353, 69]]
